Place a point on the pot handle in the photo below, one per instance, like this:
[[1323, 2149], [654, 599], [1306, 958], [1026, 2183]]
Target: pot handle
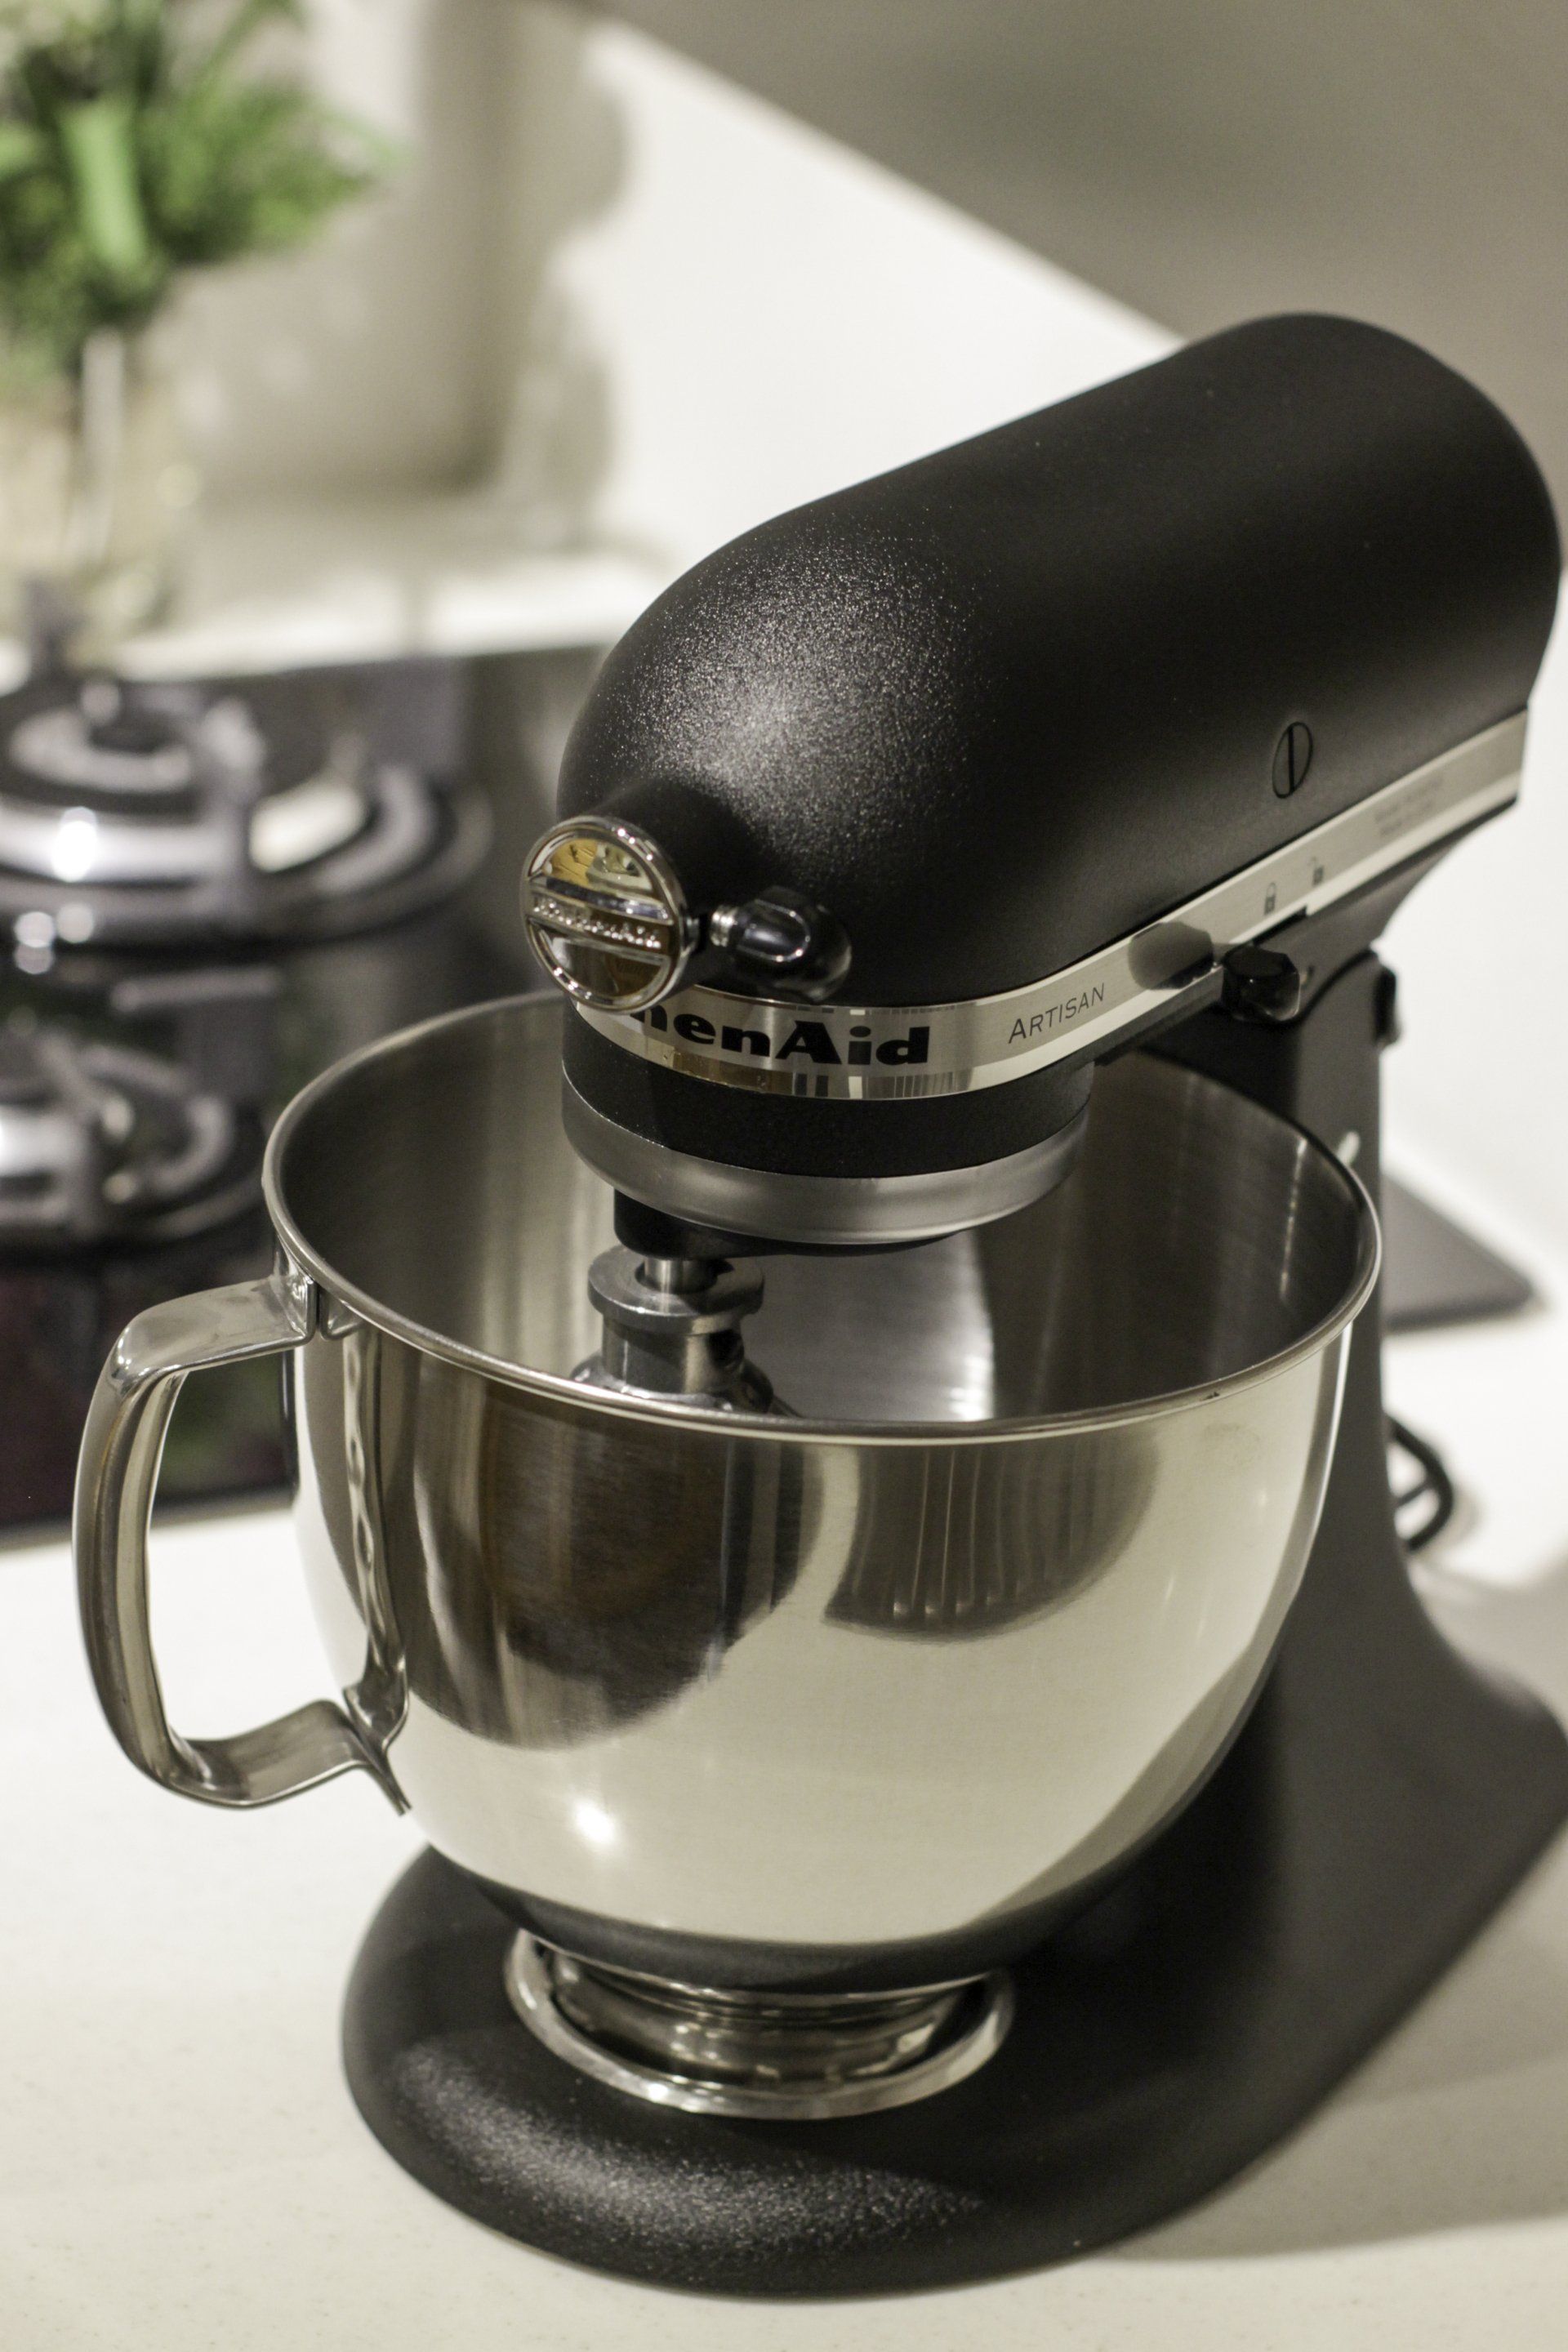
[[117, 1475]]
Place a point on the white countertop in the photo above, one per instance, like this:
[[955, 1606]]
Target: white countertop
[[182, 2170], [284, 583]]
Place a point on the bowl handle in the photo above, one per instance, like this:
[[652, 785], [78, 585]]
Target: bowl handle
[[117, 1475]]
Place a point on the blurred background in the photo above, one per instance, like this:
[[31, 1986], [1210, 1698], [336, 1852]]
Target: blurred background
[[369, 365]]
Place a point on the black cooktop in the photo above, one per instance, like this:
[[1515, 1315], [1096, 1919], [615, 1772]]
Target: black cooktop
[[127, 1036]]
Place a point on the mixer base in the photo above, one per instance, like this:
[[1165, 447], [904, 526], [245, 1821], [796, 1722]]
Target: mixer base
[[1364, 1826]]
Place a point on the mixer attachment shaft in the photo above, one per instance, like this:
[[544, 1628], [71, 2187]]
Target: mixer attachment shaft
[[672, 1328]]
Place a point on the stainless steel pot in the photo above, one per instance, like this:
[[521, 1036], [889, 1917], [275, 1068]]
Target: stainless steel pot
[[853, 1697]]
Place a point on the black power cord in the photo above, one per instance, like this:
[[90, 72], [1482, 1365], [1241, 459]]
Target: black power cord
[[1423, 1505]]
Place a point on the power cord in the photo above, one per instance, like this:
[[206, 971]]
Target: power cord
[[1424, 1505]]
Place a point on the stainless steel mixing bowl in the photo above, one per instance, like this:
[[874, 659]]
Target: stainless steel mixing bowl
[[898, 1674]]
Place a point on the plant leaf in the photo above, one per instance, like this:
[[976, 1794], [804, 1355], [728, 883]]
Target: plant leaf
[[97, 141], [23, 148], [133, 146]]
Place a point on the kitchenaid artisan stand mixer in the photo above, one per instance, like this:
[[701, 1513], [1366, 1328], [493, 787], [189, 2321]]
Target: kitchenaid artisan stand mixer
[[949, 1792]]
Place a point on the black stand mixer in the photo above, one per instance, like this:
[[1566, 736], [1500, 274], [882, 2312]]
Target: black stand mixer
[[885, 836]]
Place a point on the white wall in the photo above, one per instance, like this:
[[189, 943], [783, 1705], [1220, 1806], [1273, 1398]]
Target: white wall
[[1210, 159], [644, 305], [1479, 1082], [364, 364], [770, 315]]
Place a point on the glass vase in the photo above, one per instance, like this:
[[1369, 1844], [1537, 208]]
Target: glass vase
[[97, 492]]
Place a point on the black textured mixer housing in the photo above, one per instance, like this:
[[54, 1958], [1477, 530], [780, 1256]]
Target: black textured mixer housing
[[1008, 703], [1004, 706]]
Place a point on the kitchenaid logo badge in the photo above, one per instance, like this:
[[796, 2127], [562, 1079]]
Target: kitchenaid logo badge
[[807, 1042], [1030, 1027]]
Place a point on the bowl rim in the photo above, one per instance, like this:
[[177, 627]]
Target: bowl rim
[[579, 1396]]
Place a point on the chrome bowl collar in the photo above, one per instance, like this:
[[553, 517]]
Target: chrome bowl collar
[[949, 2030], [815, 1212]]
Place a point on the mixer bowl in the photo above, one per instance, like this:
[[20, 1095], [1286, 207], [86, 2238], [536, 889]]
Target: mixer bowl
[[907, 1669], [861, 1695]]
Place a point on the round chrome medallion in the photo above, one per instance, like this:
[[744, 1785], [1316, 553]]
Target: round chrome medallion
[[606, 914]]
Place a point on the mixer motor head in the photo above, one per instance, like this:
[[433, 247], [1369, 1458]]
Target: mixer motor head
[[890, 819]]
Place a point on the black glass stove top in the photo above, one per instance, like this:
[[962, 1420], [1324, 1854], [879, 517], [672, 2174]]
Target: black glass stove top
[[251, 1022]]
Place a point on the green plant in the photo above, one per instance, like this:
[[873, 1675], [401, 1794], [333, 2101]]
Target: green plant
[[136, 144]]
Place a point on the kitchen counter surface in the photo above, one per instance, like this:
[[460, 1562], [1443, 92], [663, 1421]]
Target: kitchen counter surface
[[292, 583], [182, 2170]]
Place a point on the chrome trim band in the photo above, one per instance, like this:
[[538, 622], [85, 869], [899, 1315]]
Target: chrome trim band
[[829, 1209], [852, 1052]]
